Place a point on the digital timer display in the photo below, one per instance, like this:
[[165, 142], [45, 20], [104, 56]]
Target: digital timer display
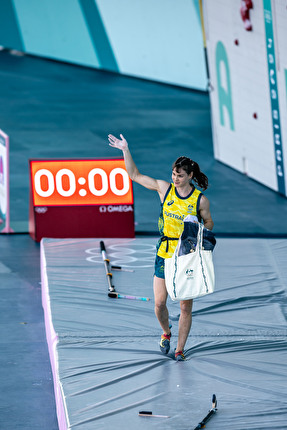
[[80, 182]]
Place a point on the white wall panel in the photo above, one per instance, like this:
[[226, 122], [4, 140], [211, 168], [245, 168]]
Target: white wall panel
[[248, 145]]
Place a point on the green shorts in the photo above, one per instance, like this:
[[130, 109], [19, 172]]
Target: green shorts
[[159, 267]]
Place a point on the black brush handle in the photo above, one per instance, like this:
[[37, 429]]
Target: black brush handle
[[102, 246], [113, 295]]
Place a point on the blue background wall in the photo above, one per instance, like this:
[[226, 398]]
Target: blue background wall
[[146, 39]]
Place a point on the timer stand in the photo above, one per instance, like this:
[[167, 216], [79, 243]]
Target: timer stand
[[80, 199]]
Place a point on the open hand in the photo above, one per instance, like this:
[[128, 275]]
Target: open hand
[[118, 143]]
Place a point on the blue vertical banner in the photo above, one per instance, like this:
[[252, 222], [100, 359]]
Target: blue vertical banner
[[272, 75], [3, 176], [4, 184]]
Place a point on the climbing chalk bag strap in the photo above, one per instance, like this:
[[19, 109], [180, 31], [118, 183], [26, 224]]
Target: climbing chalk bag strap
[[191, 275]]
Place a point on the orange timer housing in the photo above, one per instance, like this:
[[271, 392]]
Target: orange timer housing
[[80, 198]]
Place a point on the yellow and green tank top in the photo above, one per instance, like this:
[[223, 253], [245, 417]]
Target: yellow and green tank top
[[173, 211]]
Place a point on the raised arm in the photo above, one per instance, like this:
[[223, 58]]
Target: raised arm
[[146, 181]]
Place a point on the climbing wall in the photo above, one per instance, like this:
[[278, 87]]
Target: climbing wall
[[247, 57]]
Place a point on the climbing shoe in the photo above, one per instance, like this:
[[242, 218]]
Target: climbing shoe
[[165, 343], [179, 356]]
